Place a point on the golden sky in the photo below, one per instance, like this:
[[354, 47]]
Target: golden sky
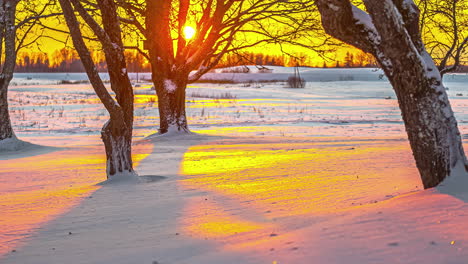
[[54, 41]]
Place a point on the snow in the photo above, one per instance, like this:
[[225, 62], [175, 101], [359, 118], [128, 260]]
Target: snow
[[121, 177], [114, 45], [410, 6], [363, 18], [334, 7], [12, 144], [456, 184], [429, 66], [170, 86], [272, 175]]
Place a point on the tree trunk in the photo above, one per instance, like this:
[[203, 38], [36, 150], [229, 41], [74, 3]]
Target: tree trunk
[[117, 138], [117, 132], [8, 43], [6, 131], [432, 129], [171, 103], [428, 116], [390, 32]]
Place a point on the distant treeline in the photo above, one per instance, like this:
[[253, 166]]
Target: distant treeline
[[66, 60], [351, 60], [252, 58]]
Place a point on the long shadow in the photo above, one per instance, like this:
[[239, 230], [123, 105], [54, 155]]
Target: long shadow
[[36, 187], [135, 213], [321, 202], [203, 195], [26, 149]]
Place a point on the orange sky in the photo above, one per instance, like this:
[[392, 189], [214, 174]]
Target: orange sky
[[49, 45], [52, 44]]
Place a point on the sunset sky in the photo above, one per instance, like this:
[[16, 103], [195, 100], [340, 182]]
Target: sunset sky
[[54, 41]]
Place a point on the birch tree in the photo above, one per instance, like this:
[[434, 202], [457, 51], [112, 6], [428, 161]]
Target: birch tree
[[117, 132], [389, 29], [217, 27]]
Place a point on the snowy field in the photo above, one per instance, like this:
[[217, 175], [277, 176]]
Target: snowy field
[[322, 174]]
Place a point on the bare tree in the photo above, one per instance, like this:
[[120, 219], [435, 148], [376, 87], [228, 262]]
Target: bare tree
[[15, 33], [390, 31], [117, 132], [219, 27], [444, 27]]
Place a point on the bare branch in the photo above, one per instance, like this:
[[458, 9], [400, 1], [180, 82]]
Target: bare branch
[[109, 103]]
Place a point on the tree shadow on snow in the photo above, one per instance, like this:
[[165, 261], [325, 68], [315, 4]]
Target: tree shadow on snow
[[23, 149]]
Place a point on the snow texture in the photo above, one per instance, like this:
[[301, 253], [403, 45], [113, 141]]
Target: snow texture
[[365, 19], [121, 177], [12, 144], [170, 86], [334, 7], [457, 183], [322, 174]]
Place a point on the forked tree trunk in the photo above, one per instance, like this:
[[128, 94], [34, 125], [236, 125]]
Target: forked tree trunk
[[171, 103], [117, 132], [6, 131], [390, 31]]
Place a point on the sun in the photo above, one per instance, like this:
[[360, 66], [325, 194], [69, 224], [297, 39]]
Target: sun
[[189, 32]]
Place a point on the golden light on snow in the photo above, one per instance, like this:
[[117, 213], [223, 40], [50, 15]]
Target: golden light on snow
[[290, 179], [189, 32], [213, 222]]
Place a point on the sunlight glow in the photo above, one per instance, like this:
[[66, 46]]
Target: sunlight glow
[[189, 32], [297, 178], [208, 220]]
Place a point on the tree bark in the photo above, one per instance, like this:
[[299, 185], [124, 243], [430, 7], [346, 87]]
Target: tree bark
[[7, 41], [431, 127], [6, 131], [171, 104], [169, 75], [117, 132], [390, 32], [117, 138]]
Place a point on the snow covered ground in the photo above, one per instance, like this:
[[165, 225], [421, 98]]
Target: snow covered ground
[[273, 175]]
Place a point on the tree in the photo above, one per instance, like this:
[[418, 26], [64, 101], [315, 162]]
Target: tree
[[390, 31], [117, 132], [444, 26], [221, 27], [349, 60], [8, 40], [17, 20]]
